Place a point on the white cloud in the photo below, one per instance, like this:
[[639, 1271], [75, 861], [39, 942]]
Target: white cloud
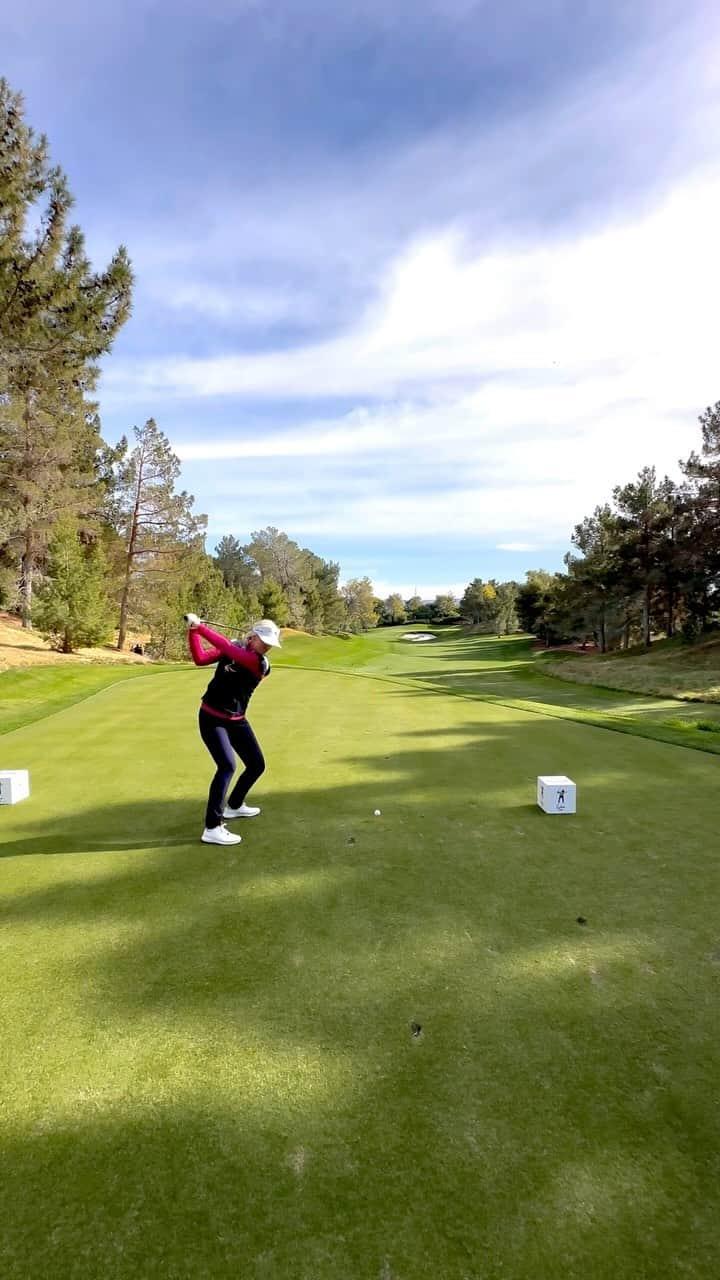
[[498, 395], [516, 546], [517, 389], [631, 307], [242, 305]]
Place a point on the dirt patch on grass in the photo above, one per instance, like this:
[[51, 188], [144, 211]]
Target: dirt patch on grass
[[21, 648]]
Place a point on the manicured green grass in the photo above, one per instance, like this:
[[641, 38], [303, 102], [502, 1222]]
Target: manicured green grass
[[32, 693], [510, 672], [208, 1068]]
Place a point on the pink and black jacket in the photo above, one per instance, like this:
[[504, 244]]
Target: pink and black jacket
[[239, 672]]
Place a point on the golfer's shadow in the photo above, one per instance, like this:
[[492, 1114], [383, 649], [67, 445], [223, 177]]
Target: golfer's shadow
[[112, 829]]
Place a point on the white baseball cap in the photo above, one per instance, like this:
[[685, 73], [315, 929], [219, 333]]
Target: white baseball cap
[[268, 631]]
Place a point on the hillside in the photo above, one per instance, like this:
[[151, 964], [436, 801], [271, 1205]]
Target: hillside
[[670, 669], [20, 648]]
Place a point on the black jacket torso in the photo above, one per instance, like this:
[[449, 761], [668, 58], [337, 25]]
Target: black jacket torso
[[232, 686]]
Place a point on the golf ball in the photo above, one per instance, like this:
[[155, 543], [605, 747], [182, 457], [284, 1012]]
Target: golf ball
[[377, 813]]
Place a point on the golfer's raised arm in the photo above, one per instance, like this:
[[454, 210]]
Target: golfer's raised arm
[[201, 657], [243, 657]]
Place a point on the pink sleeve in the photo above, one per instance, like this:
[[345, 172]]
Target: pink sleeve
[[243, 657], [201, 657]]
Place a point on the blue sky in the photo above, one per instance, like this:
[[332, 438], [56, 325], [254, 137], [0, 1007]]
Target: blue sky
[[418, 281]]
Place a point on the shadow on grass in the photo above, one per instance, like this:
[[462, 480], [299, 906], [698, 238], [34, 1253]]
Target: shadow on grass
[[112, 828], [211, 1055], [239, 1091]]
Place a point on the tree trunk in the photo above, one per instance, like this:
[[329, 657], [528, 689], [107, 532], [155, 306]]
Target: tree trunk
[[27, 571], [28, 555], [122, 630], [646, 617]]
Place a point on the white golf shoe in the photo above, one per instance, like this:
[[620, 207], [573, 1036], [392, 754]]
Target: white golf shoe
[[219, 835], [245, 811]]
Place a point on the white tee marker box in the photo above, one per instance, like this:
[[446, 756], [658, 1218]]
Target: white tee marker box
[[14, 785], [556, 794]]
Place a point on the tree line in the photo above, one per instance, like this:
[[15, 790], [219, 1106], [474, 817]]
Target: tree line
[[97, 538], [645, 564]]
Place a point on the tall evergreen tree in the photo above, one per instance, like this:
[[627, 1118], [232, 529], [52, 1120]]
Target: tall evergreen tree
[[156, 523], [57, 318], [643, 507], [48, 444], [273, 603], [506, 618], [72, 607], [595, 574], [237, 567], [700, 538]]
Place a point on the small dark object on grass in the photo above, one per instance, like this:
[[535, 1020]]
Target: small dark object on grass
[[581, 920], [350, 840], [416, 1028]]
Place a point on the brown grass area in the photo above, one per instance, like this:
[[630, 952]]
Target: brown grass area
[[688, 672], [20, 648]]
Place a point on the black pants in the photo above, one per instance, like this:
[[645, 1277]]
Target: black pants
[[224, 739]]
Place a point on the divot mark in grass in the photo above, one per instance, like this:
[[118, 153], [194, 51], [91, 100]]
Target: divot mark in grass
[[596, 978], [416, 1030], [297, 1161], [581, 920]]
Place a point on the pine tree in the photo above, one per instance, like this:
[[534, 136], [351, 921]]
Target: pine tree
[[237, 567], [700, 536], [48, 444], [643, 507], [57, 318], [156, 523], [506, 607], [72, 607], [273, 603]]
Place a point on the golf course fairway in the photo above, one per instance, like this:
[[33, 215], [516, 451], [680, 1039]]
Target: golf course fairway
[[361, 1047]]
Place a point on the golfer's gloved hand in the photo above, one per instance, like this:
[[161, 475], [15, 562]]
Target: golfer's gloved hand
[[192, 619]]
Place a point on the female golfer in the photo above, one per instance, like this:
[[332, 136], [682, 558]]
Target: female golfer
[[223, 727]]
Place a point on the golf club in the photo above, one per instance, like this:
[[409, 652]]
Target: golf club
[[206, 622]]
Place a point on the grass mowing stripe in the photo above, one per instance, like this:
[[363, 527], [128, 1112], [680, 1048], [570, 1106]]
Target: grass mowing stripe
[[673, 735], [31, 694]]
